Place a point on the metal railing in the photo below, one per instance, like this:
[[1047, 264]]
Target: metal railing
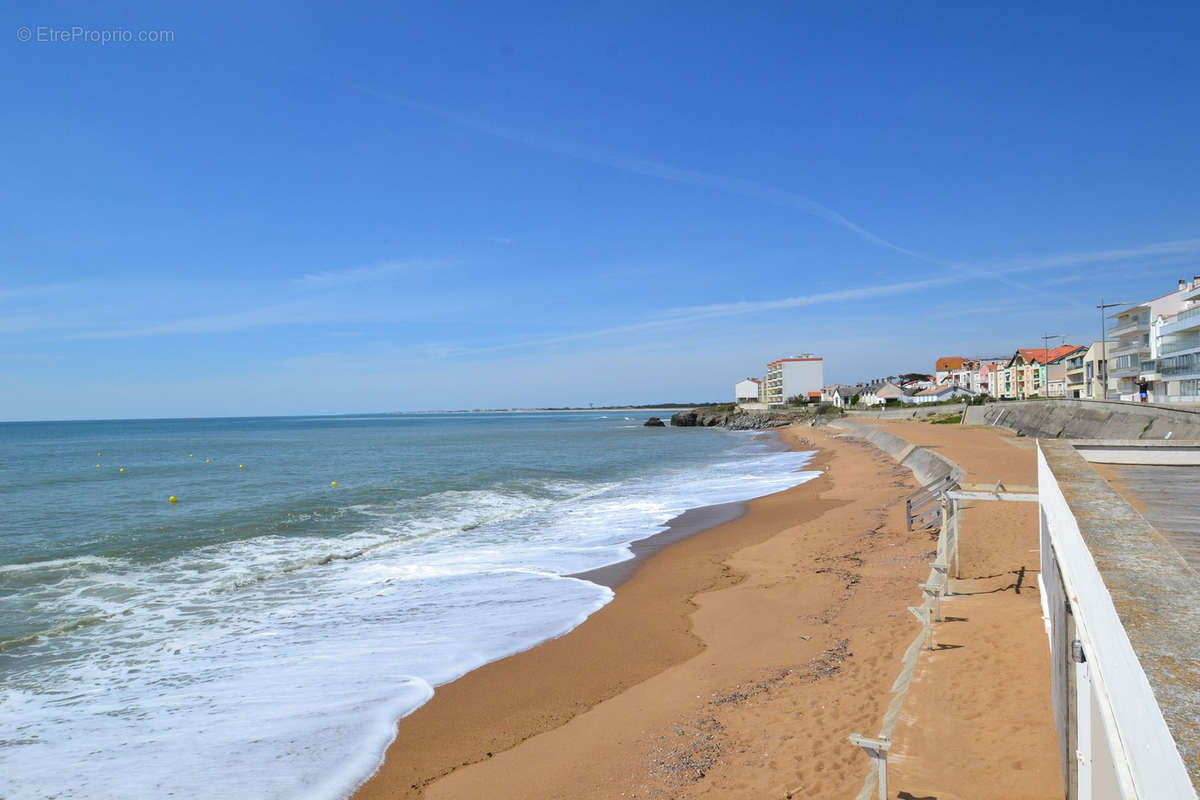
[[1182, 321], [1177, 342]]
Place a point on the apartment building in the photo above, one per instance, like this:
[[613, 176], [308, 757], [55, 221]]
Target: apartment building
[[1085, 373], [1178, 339], [797, 376], [1136, 338], [747, 391]]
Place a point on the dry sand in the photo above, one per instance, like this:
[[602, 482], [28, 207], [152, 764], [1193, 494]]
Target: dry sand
[[734, 663], [977, 719]]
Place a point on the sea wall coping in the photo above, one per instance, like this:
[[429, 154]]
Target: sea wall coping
[[1137, 601]]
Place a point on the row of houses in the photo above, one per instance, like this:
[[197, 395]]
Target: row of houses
[[800, 378], [912, 390], [1149, 351]]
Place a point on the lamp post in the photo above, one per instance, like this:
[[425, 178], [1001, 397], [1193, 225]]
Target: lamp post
[[1104, 343], [1046, 337]]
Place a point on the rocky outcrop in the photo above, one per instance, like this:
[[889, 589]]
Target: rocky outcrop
[[654, 422], [736, 419]]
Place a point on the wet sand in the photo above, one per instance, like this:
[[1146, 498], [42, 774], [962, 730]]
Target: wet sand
[[735, 662]]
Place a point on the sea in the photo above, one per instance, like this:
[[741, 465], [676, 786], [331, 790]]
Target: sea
[[316, 579]]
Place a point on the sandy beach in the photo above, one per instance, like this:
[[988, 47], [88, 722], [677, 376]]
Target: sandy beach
[[731, 663]]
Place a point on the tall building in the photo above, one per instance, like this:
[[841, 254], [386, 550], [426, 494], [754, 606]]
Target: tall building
[[1179, 349], [1138, 336], [797, 376]]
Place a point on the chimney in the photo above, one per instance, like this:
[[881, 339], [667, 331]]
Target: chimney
[[1196, 282], [1182, 284]]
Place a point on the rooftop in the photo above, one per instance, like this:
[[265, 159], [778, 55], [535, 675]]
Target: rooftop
[[806, 357], [1046, 355], [948, 363]]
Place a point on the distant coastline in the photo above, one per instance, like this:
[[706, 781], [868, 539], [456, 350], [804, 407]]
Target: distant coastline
[[552, 409]]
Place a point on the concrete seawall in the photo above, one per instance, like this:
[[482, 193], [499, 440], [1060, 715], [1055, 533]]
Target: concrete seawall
[[1088, 419], [926, 465]]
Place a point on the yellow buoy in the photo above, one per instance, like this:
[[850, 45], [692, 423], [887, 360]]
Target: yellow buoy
[[97, 466], [122, 469], [208, 461], [331, 483], [99, 454], [241, 466], [172, 499]]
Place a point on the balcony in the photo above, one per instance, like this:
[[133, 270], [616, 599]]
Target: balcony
[[1183, 321], [1178, 342], [1126, 366], [1138, 324], [1118, 349], [1181, 367]]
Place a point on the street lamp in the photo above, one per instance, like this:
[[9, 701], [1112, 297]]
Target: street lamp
[[1104, 343], [1046, 337]]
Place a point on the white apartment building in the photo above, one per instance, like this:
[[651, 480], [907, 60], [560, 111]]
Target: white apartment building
[[747, 391], [1178, 349], [797, 376], [1137, 339]]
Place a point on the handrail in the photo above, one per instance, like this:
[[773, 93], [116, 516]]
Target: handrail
[[918, 506]]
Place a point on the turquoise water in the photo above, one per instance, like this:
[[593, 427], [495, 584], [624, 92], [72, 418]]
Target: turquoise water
[[261, 636]]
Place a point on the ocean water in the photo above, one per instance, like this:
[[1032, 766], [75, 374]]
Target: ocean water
[[261, 637]]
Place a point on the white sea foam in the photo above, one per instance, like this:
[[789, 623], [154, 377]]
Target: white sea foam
[[277, 666]]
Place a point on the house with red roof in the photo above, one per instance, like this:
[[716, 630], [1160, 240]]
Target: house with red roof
[[1033, 372]]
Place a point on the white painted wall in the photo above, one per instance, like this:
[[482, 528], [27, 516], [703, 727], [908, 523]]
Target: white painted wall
[[802, 377], [746, 389]]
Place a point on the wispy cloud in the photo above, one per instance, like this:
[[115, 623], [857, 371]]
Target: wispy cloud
[[1065, 279], [1155, 250], [358, 275], [291, 314], [692, 314], [269, 316], [638, 165], [713, 310], [39, 290], [38, 322]]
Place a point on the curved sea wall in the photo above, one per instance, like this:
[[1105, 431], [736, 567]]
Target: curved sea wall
[[1088, 419], [926, 465]]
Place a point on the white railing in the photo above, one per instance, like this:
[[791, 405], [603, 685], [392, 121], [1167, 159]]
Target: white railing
[[1096, 672]]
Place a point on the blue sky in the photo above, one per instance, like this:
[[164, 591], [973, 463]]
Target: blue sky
[[307, 209]]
